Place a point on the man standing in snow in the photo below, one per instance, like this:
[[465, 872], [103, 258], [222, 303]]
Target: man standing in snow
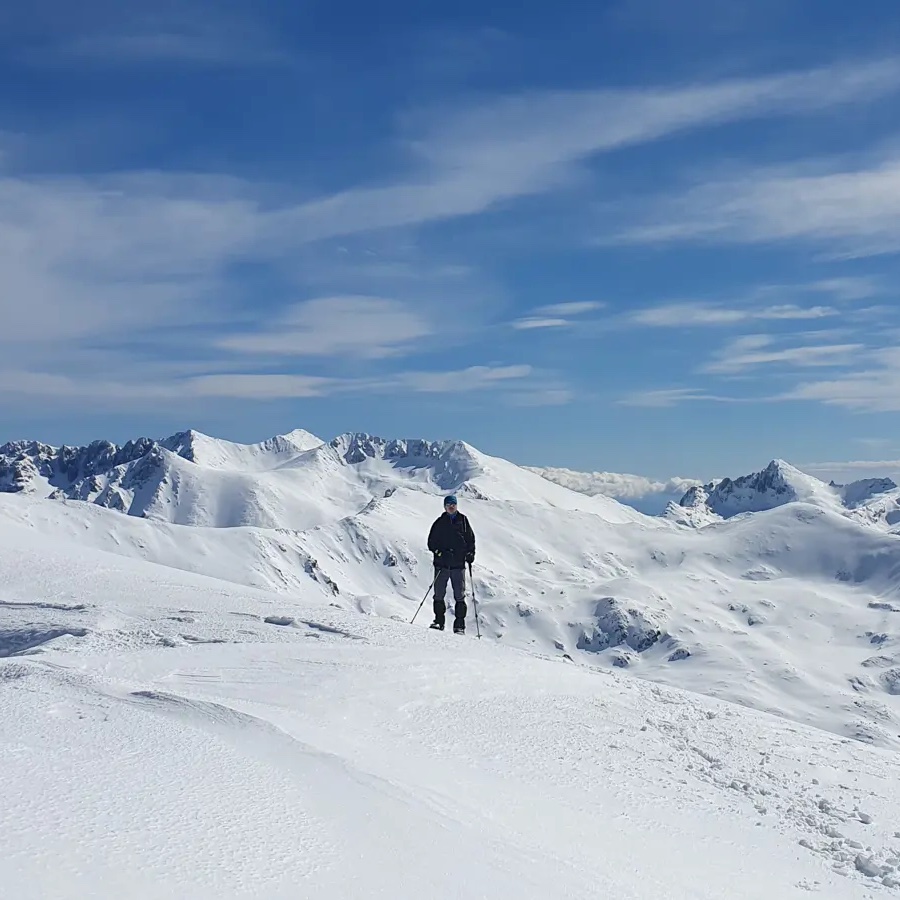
[[452, 542]]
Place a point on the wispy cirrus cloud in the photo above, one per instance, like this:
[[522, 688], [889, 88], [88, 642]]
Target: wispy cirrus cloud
[[555, 315], [144, 254], [468, 379], [470, 159], [756, 350], [530, 323], [95, 258], [93, 242], [685, 315], [571, 308], [472, 379], [874, 386], [778, 304], [259, 386], [668, 397], [850, 211], [369, 327], [263, 386], [842, 289], [118, 273]]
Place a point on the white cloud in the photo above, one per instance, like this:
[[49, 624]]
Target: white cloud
[[873, 386], [92, 266], [752, 351], [668, 397], [575, 308], [140, 258], [683, 315], [175, 388], [258, 387], [82, 258], [472, 378], [847, 288], [856, 212], [471, 159], [537, 322], [620, 485], [555, 315], [24, 385], [368, 327]]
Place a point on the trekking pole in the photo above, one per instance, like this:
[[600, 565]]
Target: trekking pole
[[474, 602], [430, 586]]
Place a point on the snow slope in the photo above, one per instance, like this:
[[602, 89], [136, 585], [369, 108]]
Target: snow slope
[[795, 611], [218, 454], [168, 734], [859, 493], [875, 501]]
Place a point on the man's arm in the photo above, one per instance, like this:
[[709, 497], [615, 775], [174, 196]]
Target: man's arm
[[470, 542], [432, 537]]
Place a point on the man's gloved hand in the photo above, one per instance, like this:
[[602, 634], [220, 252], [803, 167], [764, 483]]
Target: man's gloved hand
[[437, 557], [470, 558]]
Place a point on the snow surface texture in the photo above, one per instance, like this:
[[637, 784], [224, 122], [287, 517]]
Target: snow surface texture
[[166, 734], [793, 610]]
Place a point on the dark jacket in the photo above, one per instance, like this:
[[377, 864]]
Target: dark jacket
[[452, 541]]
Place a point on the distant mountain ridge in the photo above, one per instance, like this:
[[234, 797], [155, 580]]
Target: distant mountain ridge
[[780, 483], [291, 481]]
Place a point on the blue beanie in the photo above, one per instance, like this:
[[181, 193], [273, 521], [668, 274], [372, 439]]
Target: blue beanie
[[450, 498]]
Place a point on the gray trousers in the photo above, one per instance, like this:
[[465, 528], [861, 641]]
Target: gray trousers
[[457, 578]]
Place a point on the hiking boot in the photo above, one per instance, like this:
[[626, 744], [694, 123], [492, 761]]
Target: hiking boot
[[438, 626]]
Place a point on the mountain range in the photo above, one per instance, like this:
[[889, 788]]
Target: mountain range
[[773, 590]]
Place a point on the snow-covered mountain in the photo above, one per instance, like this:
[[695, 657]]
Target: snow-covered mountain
[[871, 500], [793, 609], [293, 481], [859, 493], [777, 484]]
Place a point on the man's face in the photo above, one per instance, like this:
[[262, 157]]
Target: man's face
[[450, 507]]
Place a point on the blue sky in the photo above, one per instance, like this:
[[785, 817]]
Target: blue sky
[[630, 236]]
